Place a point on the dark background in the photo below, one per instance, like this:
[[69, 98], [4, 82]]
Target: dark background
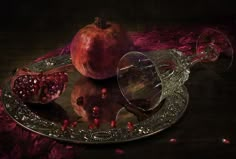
[[42, 15], [31, 29]]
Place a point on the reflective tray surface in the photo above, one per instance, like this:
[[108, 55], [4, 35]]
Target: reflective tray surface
[[48, 119]]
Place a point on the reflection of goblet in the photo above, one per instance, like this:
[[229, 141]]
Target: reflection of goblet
[[145, 79]]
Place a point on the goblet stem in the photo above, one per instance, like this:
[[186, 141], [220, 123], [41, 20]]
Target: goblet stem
[[209, 53], [214, 48]]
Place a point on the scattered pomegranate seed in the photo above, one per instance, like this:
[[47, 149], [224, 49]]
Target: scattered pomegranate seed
[[63, 127], [104, 93], [91, 126], [113, 123], [74, 124], [96, 121], [130, 126], [225, 141], [173, 140], [104, 90], [96, 110], [66, 122], [119, 151]]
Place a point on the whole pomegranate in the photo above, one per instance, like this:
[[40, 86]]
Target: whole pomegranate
[[97, 48], [38, 87]]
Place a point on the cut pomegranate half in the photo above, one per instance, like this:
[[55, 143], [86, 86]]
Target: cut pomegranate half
[[39, 87]]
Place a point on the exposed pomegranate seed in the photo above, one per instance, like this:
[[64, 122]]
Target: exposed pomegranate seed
[[80, 100], [39, 88], [35, 81], [96, 121], [226, 141], [130, 126], [113, 123], [41, 83]]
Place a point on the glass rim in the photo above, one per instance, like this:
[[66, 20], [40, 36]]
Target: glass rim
[[156, 69]]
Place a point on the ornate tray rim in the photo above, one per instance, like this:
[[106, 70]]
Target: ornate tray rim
[[172, 110]]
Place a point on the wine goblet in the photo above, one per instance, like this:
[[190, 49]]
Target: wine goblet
[[146, 78]]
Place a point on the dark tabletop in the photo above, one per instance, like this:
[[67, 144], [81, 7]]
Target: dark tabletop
[[209, 119]]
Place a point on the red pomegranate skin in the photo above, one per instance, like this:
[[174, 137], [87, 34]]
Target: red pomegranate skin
[[97, 48]]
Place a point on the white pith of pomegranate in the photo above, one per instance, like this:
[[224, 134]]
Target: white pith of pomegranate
[[35, 87]]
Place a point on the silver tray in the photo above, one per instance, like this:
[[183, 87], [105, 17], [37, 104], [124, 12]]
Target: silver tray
[[47, 119]]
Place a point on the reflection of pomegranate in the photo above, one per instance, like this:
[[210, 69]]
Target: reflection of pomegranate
[[88, 101], [34, 87], [97, 48]]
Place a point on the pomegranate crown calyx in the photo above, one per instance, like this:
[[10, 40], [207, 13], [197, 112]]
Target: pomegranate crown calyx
[[100, 22]]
